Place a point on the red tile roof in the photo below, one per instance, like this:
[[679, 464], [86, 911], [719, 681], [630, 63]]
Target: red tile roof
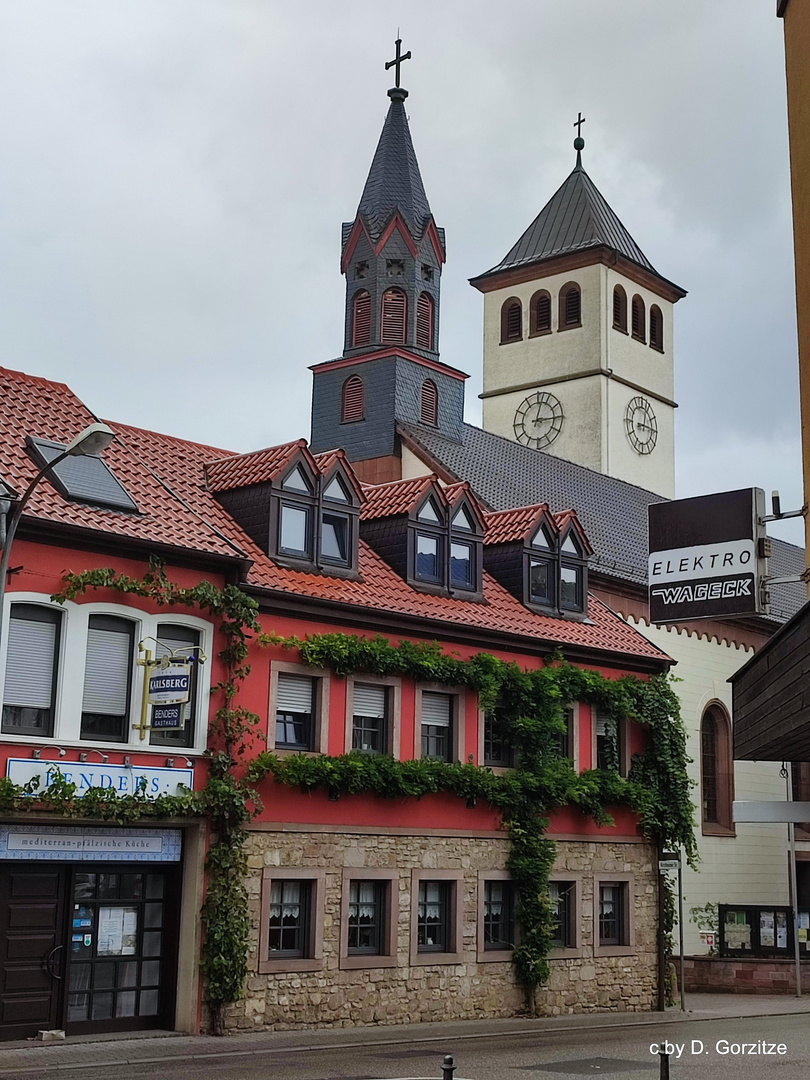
[[398, 497], [508, 526], [257, 467], [166, 477]]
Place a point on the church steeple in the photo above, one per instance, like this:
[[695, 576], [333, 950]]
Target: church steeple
[[392, 253], [390, 372]]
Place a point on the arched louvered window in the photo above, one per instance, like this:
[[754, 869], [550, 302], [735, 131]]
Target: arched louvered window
[[716, 771], [540, 309], [361, 319], [429, 405], [511, 320], [619, 309], [352, 400], [424, 321], [394, 317], [656, 328], [570, 306], [639, 319]]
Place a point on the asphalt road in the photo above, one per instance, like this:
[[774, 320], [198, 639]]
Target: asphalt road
[[622, 1054]]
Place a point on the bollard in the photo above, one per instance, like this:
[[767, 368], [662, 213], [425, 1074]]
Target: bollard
[[663, 1063], [448, 1068]]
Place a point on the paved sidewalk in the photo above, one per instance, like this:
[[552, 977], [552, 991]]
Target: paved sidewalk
[[87, 1052]]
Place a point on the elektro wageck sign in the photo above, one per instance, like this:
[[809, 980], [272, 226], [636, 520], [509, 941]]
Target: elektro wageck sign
[[707, 556]]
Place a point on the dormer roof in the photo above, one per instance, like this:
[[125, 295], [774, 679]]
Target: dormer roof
[[521, 523], [399, 497], [256, 467]]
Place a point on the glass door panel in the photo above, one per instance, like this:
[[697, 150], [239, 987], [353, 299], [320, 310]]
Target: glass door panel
[[118, 938]]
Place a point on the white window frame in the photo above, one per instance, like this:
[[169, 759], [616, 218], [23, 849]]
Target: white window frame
[[70, 674]]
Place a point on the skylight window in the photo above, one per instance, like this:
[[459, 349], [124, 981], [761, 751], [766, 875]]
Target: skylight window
[[83, 479]]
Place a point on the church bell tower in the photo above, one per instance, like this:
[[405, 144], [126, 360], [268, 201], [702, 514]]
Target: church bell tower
[[392, 255], [578, 341]]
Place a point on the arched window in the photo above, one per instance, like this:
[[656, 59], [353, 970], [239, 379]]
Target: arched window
[[619, 309], [639, 320], [540, 313], [361, 319], [424, 321], [716, 772], [429, 404], [511, 320], [656, 328], [570, 306], [352, 400], [394, 317]]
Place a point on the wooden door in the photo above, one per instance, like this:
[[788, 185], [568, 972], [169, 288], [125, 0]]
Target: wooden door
[[32, 953]]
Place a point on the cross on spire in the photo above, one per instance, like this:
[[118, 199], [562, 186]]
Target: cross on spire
[[398, 61], [579, 142], [580, 120]]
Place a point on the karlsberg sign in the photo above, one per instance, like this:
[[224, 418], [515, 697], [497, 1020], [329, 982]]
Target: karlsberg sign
[[707, 557], [169, 690]]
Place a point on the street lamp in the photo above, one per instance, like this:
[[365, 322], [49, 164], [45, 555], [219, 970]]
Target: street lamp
[[92, 442]]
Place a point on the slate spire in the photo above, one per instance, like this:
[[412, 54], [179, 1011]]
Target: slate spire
[[394, 181], [392, 253]]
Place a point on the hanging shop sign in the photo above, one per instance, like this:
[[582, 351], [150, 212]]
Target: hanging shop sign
[[122, 779], [707, 557], [170, 685], [89, 844]]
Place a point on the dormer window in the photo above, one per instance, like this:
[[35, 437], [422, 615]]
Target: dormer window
[[446, 546], [428, 558], [316, 519], [572, 574], [463, 520], [429, 513]]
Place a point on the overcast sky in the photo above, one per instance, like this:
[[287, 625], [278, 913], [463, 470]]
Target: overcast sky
[[174, 173]]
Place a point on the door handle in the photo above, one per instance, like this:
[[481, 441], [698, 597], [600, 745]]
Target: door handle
[[48, 962]]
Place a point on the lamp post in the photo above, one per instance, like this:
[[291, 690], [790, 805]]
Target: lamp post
[[92, 442]]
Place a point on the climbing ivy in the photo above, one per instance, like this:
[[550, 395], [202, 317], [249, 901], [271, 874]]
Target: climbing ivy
[[527, 706]]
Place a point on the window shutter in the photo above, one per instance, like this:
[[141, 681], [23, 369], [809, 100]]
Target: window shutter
[[30, 663], [424, 322], [361, 319], [352, 399], [294, 693], [369, 701], [617, 308], [106, 673], [429, 406], [543, 313], [394, 317], [638, 319], [656, 327], [513, 321], [436, 709], [572, 306]]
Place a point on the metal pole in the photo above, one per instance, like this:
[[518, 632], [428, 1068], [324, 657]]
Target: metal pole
[[448, 1067], [663, 1062], [11, 530], [680, 931], [794, 890]]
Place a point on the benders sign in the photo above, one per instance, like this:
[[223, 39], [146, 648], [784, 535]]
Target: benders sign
[[705, 556]]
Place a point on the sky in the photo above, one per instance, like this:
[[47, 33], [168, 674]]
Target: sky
[[174, 174]]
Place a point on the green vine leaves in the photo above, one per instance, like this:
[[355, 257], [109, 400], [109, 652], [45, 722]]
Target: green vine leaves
[[528, 710]]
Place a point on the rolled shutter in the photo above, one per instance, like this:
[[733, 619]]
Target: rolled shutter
[[436, 709], [294, 694], [106, 673], [369, 701], [30, 663]]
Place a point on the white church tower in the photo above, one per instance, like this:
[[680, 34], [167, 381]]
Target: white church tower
[[578, 341]]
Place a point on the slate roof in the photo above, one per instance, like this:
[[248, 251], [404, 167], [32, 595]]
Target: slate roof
[[394, 181], [576, 217], [166, 477], [505, 474]]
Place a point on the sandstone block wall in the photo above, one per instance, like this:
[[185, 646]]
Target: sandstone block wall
[[469, 989]]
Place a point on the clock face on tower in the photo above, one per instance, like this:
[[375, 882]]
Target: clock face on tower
[[538, 420], [641, 425]]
